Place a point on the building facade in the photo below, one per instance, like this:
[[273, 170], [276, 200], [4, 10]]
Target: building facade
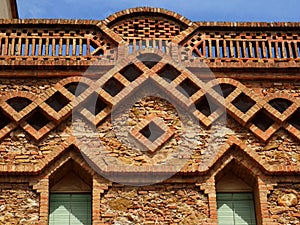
[[147, 117], [8, 9]]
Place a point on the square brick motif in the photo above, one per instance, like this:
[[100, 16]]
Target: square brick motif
[[152, 132]]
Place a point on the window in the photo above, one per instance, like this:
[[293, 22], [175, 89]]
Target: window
[[236, 209], [70, 209], [70, 199], [235, 202]]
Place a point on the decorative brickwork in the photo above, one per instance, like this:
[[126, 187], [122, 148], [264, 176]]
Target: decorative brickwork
[[48, 94], [245, 45]]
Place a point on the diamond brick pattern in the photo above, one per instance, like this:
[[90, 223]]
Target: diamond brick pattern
[[294, 120], [187, 88], [131, 72], [243, 102], [19, 103], [168, 73], [235, 94], [57, 101], [113, 86], [38, 120], [152, 132], [4, 120]]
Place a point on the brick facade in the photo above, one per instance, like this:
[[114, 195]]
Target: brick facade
[[238, 78]]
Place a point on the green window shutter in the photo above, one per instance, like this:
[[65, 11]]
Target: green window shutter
[[70, 209], [236, 209]]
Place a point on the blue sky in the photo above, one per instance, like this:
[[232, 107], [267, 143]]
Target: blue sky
[[196, 10]]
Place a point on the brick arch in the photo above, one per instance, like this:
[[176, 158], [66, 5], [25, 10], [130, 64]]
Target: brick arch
[[287, 111], [164, 24], [226, 80], [155, 11], [17, 116], [286, 96], [20, 94], [77, 79]]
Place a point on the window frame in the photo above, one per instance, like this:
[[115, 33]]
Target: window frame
[[69, 195]]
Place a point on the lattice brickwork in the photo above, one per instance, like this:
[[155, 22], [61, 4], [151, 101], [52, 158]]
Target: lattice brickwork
[[263, 116], [147, 28]]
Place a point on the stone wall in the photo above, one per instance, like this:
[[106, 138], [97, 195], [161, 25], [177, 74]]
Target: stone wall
[[284, 204], [157, 204], [19, 204]]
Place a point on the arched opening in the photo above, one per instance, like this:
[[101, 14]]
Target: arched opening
[[70, 200], [235, 188]]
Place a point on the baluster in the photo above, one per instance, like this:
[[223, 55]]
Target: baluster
[[88, 47], [225, 49], [53, 47], [68, 47], [283, 49], [133, 45], [47, 47], [250, 50], [74, 47], [291, 55], [12, 52], [238, 49], [232, 52], [1, 46], [6, 45], [19, 47], [154, 43], [26, 52], [166, 47], [245, 50], [276, 50], [295, 48], [160, 45], [80, 46], [218, 49], [270, 50], [40, 46], [264, 50], [258, 53], [60, 46], [33, 47], [206, 47]]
